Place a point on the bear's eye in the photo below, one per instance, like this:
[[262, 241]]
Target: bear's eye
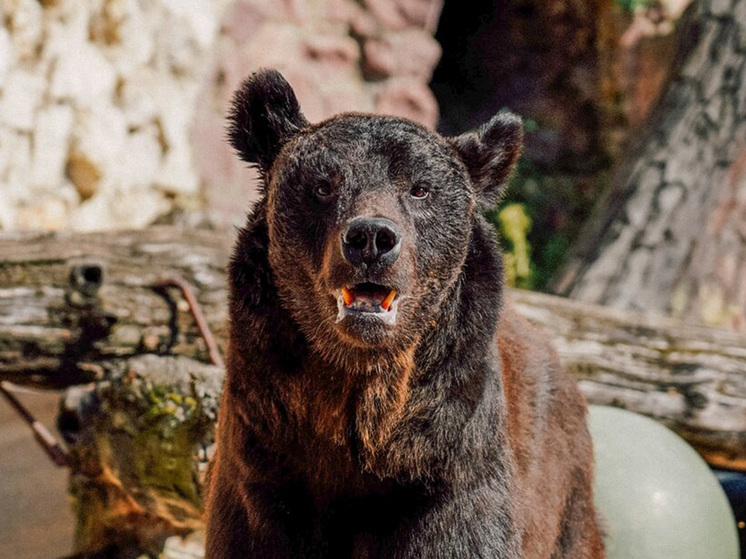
[[419, 191], [323, 191]]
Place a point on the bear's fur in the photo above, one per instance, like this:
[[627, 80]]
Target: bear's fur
[[441, 428]]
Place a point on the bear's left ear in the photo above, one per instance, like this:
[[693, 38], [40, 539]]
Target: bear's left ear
[[265, 114], [490, 154]]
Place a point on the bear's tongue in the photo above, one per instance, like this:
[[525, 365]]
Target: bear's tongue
[[368, 297]]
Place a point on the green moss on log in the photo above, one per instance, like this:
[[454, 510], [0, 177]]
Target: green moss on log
[[136, 462]]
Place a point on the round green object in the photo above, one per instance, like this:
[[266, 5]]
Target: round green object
[[657, 498]]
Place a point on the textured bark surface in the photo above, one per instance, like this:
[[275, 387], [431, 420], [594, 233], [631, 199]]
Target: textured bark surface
[[671, 236], [81, 308], [690, 377], [69, 302]]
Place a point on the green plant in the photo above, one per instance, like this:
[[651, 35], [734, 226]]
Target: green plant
[[515, 226]]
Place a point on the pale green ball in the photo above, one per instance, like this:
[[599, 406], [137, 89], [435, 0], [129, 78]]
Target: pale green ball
[[657, 498]]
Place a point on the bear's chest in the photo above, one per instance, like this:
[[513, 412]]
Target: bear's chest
[[339, 423]]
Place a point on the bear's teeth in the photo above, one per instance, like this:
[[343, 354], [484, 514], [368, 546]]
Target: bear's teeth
[[347, 296], [366, 300], [386, 303]]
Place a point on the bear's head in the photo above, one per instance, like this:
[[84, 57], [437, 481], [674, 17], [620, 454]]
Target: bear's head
[[369, 218]]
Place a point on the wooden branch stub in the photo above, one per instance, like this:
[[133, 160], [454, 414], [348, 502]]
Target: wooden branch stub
[[138, 445]]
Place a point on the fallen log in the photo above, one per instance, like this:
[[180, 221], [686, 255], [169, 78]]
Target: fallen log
[[691, 378], [70, 302]]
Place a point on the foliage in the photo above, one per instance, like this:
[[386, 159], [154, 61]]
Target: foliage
[[514, 226], [553, 206]]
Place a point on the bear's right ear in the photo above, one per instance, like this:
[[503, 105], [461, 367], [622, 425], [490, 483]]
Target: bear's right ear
[[265, 114], [490, 153]]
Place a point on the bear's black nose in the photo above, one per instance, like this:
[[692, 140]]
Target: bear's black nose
[[371, 240]]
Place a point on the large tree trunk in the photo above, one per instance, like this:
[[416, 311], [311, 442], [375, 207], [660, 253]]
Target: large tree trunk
[[671, 236]]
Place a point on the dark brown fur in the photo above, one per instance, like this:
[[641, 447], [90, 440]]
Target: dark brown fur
[[551, 447], [452, 433]]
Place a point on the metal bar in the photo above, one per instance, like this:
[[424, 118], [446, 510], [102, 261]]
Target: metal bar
[[43, 436], [199, 317]]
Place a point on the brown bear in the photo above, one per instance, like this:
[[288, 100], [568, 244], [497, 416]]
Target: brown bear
[[382, 399]]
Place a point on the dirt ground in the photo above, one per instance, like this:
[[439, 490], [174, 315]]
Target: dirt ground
[[36, 521]]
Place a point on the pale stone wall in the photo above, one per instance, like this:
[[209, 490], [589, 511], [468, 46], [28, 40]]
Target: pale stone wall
[[111, 111], [97, 103]]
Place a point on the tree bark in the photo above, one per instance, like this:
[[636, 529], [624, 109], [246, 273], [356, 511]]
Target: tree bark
[[81, 308], [691, 378], [70, 301], [670, 237]]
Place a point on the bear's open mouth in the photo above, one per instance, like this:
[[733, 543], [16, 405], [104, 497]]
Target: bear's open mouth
[[367, 298]]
